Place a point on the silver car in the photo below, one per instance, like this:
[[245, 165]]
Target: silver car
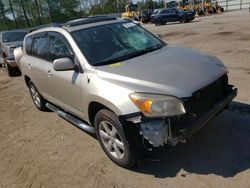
[[9, 40], [113, 78]]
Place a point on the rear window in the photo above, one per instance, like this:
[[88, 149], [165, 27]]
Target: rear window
[[13, 36]]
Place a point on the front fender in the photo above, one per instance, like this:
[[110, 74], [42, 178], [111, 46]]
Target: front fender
[[111, 95], [106, 103]]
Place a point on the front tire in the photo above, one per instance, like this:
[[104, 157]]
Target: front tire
[[38, 100], [112, 139]]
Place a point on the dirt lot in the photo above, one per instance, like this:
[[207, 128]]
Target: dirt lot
[[39, 149]]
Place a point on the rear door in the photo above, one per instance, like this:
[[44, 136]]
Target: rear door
[[37, 61], [165, 15], [65, 86], [1, 50], [174, 15]]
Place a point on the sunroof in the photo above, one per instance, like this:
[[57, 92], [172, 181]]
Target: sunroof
[[88, 20]]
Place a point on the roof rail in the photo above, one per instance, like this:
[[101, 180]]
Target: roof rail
[[44, 26], [88, 20]]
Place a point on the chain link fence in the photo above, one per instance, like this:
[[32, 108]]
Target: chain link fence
[[229, 5]]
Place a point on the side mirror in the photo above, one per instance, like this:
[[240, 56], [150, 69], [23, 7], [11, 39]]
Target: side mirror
[[63, 64]]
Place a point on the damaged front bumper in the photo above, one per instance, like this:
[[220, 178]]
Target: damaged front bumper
[[191, 126], [170, 131]]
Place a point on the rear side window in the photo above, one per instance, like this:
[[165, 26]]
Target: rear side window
[[172, 11], [28, 45], [39, 47], [36, 45], [164, 11]]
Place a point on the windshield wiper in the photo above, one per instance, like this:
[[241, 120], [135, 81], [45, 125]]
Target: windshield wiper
[[107, 62], [128, 56]]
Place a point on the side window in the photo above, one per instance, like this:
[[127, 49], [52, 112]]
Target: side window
[[175, 11], [164, 11], [28, 45], [39, 47], [58, 48]]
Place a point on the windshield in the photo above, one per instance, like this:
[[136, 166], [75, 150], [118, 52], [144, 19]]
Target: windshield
[[13, 36], [156, 11], [112, 43]]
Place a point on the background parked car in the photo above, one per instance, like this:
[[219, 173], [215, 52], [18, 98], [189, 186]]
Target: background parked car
[[162, 16], [9, 40]]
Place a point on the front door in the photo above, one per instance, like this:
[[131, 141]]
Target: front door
[[64, 86]]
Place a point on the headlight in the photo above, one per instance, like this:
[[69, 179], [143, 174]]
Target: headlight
[[154, 105]]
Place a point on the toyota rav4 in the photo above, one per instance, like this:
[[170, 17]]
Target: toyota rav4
[[113, 78]]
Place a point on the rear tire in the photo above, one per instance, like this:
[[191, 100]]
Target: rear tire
[[182, 20], [112, 139], [38, 100]]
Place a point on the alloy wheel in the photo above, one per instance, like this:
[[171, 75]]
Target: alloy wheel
[[111, 139]]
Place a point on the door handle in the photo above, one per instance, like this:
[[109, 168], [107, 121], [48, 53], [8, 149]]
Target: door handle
[[49, 73]]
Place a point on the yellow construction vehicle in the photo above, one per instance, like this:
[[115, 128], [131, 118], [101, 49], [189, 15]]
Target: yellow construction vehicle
[[172, 4], [182, 4], [132, 12], [185, 5], [206, 7], [215, 6], [201, 7]]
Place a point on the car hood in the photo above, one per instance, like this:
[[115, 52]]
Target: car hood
[[170, 70]]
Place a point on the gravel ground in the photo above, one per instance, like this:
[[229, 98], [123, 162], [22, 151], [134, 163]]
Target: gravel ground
[[39, 149]]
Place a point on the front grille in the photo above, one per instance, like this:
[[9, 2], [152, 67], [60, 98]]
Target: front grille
[[204, 99]]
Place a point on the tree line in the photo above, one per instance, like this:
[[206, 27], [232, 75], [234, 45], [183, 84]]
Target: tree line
[[17, 14]]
